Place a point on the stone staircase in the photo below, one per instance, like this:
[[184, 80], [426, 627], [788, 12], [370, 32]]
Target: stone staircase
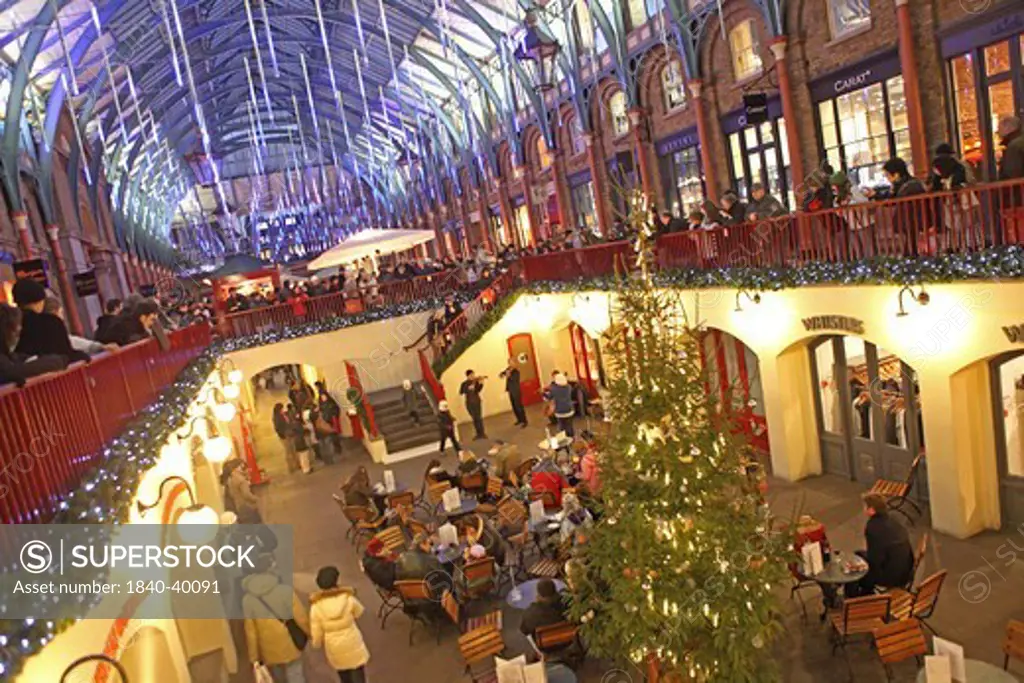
[[399, 431]]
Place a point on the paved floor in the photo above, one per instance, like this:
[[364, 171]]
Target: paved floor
[[982, 592]]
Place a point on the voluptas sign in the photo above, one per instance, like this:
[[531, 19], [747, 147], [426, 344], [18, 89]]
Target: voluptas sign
[[1015, 333], [879, 68], [834, 322]]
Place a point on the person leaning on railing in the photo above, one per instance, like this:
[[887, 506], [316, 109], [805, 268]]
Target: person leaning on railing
[[139, 321], [42, 333], [15, 367]]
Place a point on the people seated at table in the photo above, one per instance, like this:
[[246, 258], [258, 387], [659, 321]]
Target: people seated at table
[[506, 458], [415, 563], [889, 553], [357, 489], [546, 476], [470, 467], [575, 517], [435, 474], [379, 565], [547, 609], [590, 470]]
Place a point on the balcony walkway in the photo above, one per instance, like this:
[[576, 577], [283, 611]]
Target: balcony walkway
[[803, 653]]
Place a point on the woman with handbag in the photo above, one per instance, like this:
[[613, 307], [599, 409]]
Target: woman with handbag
[[276, 624], [333, 613]]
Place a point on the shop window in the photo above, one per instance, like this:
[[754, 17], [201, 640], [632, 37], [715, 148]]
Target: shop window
[[997, 58], [739, 176], [673, 85], [584, 27], [578, 139], [965, 102], [585, 208], [685, 177], [543, 155], [1011, 385], [828, 389], [636, 13], [1000, 102], [759, 155], [746, 50], [620, 116], [848, 16]]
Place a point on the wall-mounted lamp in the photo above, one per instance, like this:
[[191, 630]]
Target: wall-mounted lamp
[[232, 376], [196, 514], [81, 666], [222, 407], [216, 448], [753, 298], [921, 297]]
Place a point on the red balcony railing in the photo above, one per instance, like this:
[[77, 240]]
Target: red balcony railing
[[436, 388], [960, 221], [54, 428], [280, 316]]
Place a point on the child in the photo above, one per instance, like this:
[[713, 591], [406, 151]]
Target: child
[[409, 400]]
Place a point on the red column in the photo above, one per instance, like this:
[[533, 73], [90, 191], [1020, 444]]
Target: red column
[[637, 122], [565, 208], [595, 161], [531, 211], [912, 88], [704, 135], [68, 292], [505, 207], [462, 203], [796, 160], [20, 219]]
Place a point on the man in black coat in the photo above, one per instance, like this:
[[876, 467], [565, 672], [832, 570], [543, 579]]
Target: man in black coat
[[42, 334], [111, 310], [889, 553], [132, 325], [515, 392], [471, 389], [547, 610]]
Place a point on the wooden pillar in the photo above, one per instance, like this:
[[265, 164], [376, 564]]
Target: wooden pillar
[[704, 135], [67, 291], [912, 88], [595, 161], [638, 122], [796, 159], [20, 219]]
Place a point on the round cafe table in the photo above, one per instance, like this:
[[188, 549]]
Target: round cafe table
[[524, 595], [980, 672], [468, 506], [834, 576]]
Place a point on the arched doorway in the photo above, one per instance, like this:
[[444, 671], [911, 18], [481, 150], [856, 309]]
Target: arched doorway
[[868, 411], [586, 355], [1007, 373], [521, 350], [735, 375]]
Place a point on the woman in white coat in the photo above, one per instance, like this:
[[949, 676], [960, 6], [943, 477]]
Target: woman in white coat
[[332, 615]]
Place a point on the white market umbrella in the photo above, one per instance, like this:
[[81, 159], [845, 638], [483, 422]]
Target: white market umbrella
[[367, 243]]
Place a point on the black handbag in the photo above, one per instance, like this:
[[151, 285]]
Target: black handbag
[[295, 632]]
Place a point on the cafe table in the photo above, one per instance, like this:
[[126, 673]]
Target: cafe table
[[979, 672], [836, 575], [525, 594]]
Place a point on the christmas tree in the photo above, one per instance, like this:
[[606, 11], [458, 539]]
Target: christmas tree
[[678, 577]]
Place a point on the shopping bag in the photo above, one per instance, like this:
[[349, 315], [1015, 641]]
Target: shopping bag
[[261, 673], [304, 463]]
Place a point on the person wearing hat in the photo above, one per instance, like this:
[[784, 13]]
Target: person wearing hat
[[565, 409], [42, 334], [471, 388], [379, 565], [333, 613], [132, 325], [446, 425]]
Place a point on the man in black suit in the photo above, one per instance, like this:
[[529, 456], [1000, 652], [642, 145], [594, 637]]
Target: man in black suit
[[42, 334], [471, 389], [889, 553], [515, 393]]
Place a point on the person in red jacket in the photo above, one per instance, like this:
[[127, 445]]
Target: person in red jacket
[[298, 304], [547, 477]]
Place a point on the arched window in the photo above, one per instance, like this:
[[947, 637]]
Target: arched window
[[746, 50], [673, 86], [848, 16], [579, 142], [543, 155], [620, 116]]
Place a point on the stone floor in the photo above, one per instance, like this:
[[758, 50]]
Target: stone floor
[[982, 592]]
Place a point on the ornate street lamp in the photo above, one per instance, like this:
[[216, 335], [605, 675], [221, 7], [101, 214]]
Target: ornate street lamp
[[539, 50]]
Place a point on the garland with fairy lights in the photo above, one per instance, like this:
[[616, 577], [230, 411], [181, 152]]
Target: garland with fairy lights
[[106, 492]]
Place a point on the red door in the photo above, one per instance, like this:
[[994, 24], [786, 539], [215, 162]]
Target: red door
[[520, 349], [582, 353]]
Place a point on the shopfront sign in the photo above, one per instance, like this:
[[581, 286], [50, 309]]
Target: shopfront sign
[[842, 323], [86, 284], [861, 75], [755, 105], [684, 139], [33, 269], [736, 120], [1009, 24]]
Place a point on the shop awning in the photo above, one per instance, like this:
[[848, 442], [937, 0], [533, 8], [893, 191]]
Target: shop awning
[[368, 243]]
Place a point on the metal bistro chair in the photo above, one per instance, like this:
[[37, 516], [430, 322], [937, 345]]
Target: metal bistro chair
[[466, 624], [478, 578], [918, 604], [392, 538], [390, 601], [478, 648], [558, 639], [494, 490], [363, 521], [1013, 645], [419, 605], [897, 493], [899, 641], [859, 616], [405, 499]]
